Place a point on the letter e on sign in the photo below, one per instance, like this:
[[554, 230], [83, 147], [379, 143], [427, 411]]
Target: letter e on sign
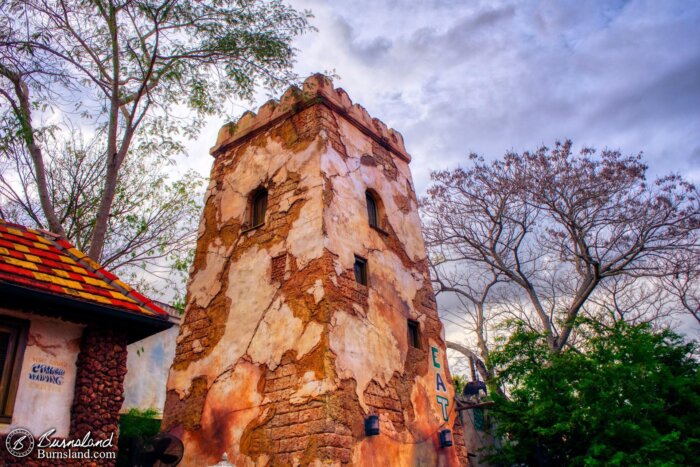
[[435, 351]]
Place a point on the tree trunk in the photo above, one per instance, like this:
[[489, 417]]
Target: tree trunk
[[23, 112], [114, 157], [480, 366]]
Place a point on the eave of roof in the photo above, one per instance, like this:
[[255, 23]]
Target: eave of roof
[[47, 269], [135, 325]]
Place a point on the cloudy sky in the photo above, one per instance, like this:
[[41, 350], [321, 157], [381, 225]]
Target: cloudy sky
[[490, 76], [459, 77]]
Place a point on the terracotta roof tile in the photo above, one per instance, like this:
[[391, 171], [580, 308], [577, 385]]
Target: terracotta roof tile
[[45, 262]]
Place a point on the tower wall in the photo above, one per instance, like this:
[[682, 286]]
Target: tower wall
[[282, 353]]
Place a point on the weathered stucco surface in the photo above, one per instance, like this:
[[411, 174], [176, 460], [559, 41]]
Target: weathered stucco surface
[[51, 343], [281, 353]]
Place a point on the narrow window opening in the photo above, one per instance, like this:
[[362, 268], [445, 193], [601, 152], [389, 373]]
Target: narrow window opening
[[414, 333], [13, 339], [372, 210], [360, 270], [259, 206]]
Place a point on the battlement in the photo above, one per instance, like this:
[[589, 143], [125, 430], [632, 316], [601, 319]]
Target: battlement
[[317, 89]]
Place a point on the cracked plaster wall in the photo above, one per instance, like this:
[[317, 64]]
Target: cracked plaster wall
[[54, 342], [281, 353]]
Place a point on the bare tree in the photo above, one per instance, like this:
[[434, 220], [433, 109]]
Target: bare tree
[[471, 289], [557, 226], [634, 300], [683, 282], [125, 66]]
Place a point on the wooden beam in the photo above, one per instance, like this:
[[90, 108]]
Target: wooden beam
[[461, 406]]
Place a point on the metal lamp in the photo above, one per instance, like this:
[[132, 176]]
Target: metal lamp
[[372, 425], [445, 438]]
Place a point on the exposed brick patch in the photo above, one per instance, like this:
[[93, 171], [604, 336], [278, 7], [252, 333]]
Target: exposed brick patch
[[386, 401], [296, 431], [330, 124], [279, 264], [385, 159], [351, 290], [403, 203], [201, 329], [460, 445], [368, 160], [188, 411], [307, 123]]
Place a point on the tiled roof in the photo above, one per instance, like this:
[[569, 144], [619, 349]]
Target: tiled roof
[[45, 262]]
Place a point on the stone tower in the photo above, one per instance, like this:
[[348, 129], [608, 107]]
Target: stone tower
[[309, 306]]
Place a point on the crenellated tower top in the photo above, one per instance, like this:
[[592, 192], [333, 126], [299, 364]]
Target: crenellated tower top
[[317, 89]]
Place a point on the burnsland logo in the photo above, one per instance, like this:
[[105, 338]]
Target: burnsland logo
[[19, 442]]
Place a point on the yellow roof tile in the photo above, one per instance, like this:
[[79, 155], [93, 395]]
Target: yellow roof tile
[[20, 263], [58, 281], [32, 258], [21, 248]]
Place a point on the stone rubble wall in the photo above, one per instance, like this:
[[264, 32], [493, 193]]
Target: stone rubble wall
[[99, 386]]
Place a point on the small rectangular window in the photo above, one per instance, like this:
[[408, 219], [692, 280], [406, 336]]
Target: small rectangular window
[[259, 206], [360, 270], [372, 210], [13, 339], [413, 334]]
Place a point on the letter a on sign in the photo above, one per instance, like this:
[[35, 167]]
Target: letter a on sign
[[439, 383]]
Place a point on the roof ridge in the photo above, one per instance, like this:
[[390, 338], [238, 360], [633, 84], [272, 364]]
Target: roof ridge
[[29, 229], [46, 232]]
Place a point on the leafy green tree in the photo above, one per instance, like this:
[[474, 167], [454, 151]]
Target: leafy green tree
[[627, 395], [153, 221], [459, 382], [142, 73], [135, 427]]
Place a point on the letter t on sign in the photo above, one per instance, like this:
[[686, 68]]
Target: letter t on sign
[[443, 404]]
